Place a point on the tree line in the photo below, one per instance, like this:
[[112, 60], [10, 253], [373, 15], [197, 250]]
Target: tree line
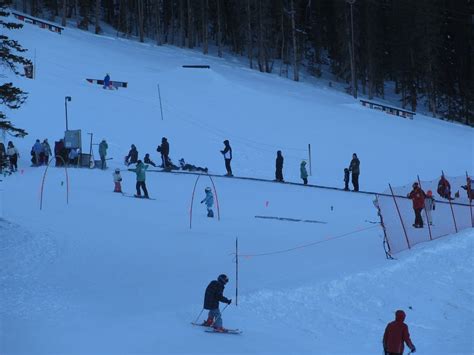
[[417, 51]]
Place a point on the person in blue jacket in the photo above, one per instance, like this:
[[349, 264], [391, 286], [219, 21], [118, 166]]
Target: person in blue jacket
[[107, 81], [209, 200], [37, 151]]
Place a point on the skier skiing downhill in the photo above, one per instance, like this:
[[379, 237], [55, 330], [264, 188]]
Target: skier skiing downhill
[[396, 334], [212, 297], [209, 200]]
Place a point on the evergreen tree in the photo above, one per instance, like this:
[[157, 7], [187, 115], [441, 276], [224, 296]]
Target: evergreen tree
[[10, 96]]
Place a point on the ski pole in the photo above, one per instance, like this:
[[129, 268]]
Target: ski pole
[[202, 310], [224, 308]]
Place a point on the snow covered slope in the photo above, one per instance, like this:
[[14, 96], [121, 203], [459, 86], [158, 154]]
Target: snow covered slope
[[108, 274]]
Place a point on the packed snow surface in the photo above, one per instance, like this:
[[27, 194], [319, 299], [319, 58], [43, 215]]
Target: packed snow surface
[[110, 274]]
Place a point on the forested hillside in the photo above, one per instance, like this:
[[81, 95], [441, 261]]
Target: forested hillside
[[422, 49]]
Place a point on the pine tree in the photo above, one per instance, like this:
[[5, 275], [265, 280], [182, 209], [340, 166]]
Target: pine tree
[[10, 96]]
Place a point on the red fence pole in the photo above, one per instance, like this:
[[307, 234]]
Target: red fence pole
[[426, 212], [399, 214], [217, 200], [44, 178], [192, 200]]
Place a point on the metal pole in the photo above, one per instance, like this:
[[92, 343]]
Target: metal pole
[[159, 96], [66, 99], [400, 215], [65, 105], [309, 157], [354, 87], [236, 271]]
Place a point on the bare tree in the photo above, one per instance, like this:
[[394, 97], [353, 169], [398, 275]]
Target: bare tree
[[296, 75], [249, 35], [97, 12], [140, 20], [219, 29], [205, 32], [63, 17]]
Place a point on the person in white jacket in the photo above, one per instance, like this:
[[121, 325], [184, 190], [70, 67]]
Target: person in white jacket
[[429, 206], [117, 180], [13, 155]]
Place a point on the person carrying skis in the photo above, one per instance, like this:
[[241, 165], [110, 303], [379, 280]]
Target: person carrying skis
[[209, 200], [140, 170], [304, 172], [417, 195], [396, 334], [46, 150], [227, 153], [132, 156], [117, 180], [346, 179], [429, 206], [279, 167], [103, 146], [212, 297], [354, 168]]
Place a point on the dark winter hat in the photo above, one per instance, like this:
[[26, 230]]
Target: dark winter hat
[[139, 162], [223, 278], [226, 142], [415, 184], [400, 315]]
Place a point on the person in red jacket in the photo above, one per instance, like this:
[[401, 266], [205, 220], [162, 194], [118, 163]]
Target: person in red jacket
[[396, 334], [444, 188], [417, 195]]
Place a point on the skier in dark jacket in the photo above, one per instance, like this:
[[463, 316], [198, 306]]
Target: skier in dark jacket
[[147, 160], [396, 334], [132, 156], [212, 297], [354, 168], [164, 149], [107, 81], [227, 153], [279, 167]]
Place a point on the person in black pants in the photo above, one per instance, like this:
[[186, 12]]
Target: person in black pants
[[164, 149], [279, 167], [354, 168], [227, 153]]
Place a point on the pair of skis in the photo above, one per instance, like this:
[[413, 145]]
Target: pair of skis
[[210, 329]]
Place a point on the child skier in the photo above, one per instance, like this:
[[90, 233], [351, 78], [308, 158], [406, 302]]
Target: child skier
[[304, 172], [346, 179], [212, 297], [209, 200], [117, 180], [429, 206]]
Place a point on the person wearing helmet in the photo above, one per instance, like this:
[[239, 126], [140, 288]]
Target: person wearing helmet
[[279, 167], [132, 156], [117, 180], [417, 195], [103, 146], [304, 172], [107, 83], [209, 200], [429, 206], [227, 153], [354, 167], [212, 297], [396, 334], [140, 170]]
